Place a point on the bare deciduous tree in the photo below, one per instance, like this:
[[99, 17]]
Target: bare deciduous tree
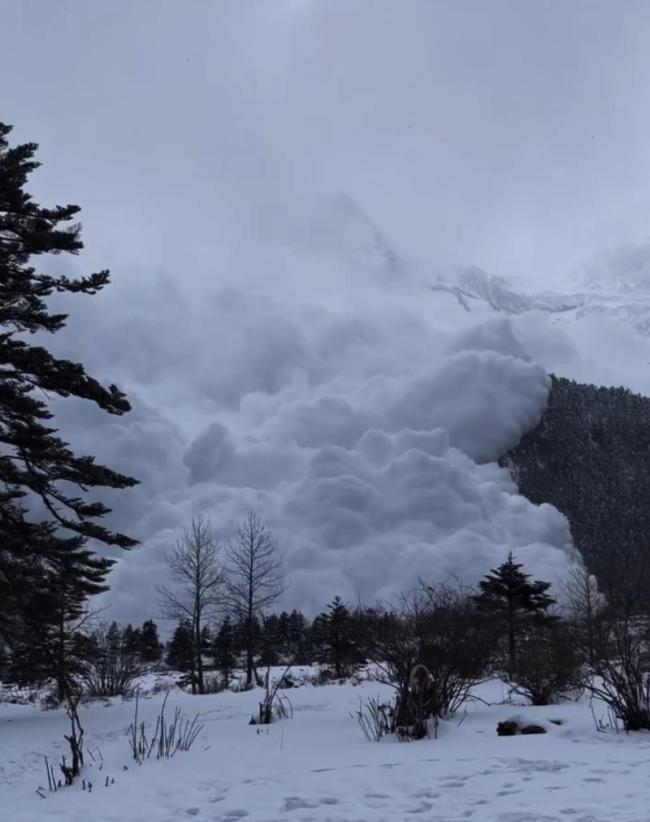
[[586, 605], [253, 580], [195, 567]]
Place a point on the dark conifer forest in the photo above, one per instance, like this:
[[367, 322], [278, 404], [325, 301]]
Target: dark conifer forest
[[590, 458]]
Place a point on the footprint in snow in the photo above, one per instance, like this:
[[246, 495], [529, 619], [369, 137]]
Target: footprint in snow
[[426, 794], [422, 807], [295, 803]]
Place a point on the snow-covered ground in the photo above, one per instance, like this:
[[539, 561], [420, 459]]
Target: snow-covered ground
[[318, 766]]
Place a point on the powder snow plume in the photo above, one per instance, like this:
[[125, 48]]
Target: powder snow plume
[[363, 429]]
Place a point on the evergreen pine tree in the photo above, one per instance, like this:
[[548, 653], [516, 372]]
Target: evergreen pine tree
[[180, 653], [224, 651], [36, 464], [297, 637], [132, 638], [149, 645], [338, 641], [48, 644], [270, 640], [510, 597]]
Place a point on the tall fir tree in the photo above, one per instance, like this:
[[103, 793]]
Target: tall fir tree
[[180, 652], [335, 633], [297, 637], [510, 597], [49, 644], [132, 638], [224, 651], [37, 468], [149, 644]]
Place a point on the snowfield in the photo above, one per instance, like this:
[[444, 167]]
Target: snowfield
[[318, 766]]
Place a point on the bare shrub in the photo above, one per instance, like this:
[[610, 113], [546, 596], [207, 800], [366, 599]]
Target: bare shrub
[[169, 736], [440, 629], [375, 719], [549, 666], [619, 671], [275, 704], [113, 667], [75, 740]]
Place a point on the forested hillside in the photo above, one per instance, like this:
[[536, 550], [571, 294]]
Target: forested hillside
[[590, 458]]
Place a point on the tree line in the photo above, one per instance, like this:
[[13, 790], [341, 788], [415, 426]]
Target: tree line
[[506, 621]]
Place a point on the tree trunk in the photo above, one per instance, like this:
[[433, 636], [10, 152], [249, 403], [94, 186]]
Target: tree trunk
[[249, 631], [249, 652], [199, 656], [512, 647], [61, 690]]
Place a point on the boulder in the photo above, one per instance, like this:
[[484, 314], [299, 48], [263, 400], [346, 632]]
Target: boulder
[[532, 729], [516, 725], [507, 728]]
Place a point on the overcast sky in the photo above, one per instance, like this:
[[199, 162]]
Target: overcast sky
[[508, 134], [249, 170]]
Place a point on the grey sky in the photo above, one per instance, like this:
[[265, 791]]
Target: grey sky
[[509, 134]]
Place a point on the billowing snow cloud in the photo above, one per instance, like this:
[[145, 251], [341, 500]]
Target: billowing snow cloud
[[364, 434]]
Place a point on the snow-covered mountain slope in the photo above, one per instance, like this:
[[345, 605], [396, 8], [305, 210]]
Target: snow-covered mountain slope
[[592, 324], [475, 288], [614, 286]]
